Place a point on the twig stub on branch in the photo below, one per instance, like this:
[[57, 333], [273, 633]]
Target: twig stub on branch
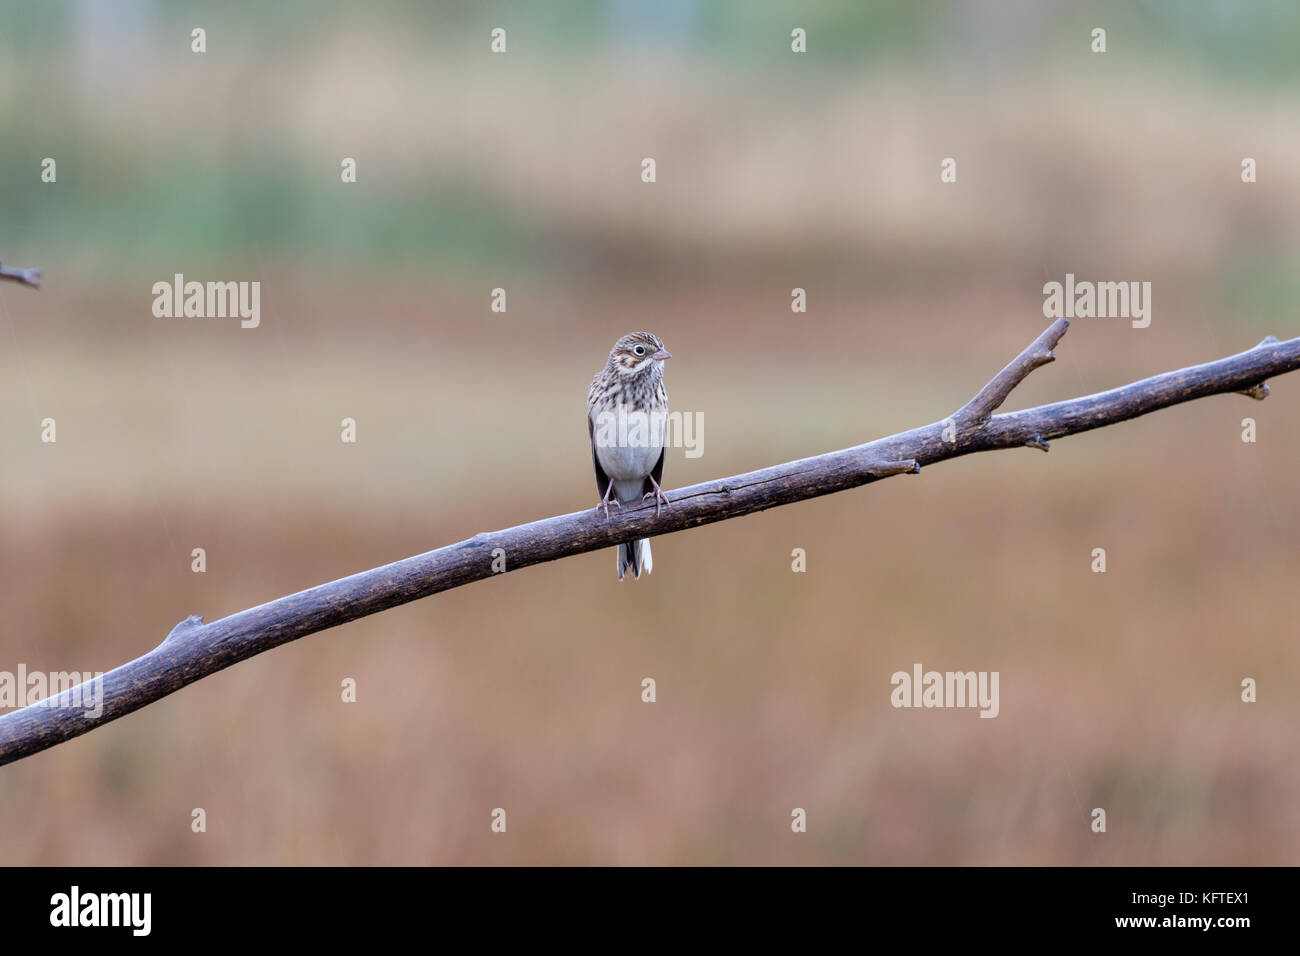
[[990, 398]]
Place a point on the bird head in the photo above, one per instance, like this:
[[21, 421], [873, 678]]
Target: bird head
[[636, 352]]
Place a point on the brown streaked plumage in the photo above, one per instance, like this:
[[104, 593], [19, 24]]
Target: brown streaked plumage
[[627, 412]]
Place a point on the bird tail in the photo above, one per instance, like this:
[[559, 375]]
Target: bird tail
[[635, 555]]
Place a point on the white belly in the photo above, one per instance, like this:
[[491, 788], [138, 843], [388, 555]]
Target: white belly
[[628, 444]]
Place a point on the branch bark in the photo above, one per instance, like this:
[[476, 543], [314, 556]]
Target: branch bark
[[31, 277], [194, 650]]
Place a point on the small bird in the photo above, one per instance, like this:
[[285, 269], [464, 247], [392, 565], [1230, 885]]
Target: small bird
[[627, 411]]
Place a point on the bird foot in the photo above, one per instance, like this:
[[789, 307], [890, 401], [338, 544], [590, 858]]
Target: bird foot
[[606, 501], [658, 495]]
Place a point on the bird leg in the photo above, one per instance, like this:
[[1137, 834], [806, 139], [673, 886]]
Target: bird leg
[[657, 494], [606, 501]]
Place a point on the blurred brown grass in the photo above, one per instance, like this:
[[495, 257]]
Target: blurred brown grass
[[1118, 690]]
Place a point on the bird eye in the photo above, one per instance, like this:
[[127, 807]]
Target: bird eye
[[639, 350]]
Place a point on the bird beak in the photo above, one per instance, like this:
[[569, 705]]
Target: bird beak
[[661, 355]]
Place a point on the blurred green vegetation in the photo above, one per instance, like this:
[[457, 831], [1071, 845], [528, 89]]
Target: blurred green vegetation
[[226, 185]]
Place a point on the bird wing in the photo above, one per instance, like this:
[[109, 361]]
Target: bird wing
[[657, 473], [602, 479]]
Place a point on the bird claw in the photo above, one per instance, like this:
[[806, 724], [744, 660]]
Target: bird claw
[[658, 495], [607, 501]]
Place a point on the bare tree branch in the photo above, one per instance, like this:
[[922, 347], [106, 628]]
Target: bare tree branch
[[31, 277], [194, 650]]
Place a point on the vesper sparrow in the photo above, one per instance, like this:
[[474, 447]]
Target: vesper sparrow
[[627, 409]]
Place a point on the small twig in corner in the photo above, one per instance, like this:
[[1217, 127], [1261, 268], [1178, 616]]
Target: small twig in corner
[[31, 277]]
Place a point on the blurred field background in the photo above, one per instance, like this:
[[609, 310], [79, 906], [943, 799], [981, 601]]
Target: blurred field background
[[774, 171]]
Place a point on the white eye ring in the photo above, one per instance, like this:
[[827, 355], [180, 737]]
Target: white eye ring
[[639, 350]]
